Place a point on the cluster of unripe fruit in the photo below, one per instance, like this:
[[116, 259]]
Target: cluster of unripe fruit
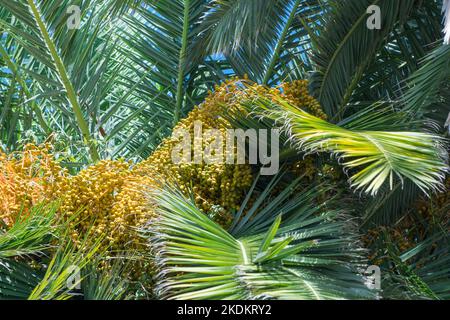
[[296, 92], [26, 178], [110, 198]]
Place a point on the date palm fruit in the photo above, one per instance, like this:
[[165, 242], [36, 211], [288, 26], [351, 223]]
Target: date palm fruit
[[109, 196], [27, 178]]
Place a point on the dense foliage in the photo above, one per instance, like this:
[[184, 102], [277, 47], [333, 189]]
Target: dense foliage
[[90, 118]]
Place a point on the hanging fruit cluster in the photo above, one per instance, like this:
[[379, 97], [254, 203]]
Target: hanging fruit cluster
[[109, 198], [89, 199], [296, 92], [215, 185], [27, 178]]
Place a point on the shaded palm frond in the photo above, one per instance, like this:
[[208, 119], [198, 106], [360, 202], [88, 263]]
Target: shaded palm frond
[[17, 279], [344, 47], [105, 283], [425, 83], [421, 272]]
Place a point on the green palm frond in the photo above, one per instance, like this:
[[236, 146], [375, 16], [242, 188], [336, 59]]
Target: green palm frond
[[159, 34], [231, 24], [83, 83], [31, 233], [16, 118], [446, 12], [38, 258], [425, 83], [344, 47], [292, 251], [421, 272], [106, 284], [68, 262], [371, 157], [389, 205], [43, 44], [17, 279], [265, 40]]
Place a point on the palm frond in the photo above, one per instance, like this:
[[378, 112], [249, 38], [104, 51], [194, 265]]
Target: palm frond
[[83, 81], [106, 284], [422, 272], [344, 47], [425, 83], [297, 253], [264, 40], [446, 11], [17, 279], [160, 42], [68, 262], [31, 233], [229, 25], [372, 157]]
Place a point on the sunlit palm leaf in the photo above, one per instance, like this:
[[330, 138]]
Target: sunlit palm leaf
[[31, 233], [66, 264], [371, 157], [302, 254], [446, 11]]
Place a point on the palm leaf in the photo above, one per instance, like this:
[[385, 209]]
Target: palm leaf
[[446, 11], [421, 272], [66, 261], [309, 257], [17, 279], [106, 284], [31, 233], [344, 47], [372, 157], [425, 83], [84, 80]]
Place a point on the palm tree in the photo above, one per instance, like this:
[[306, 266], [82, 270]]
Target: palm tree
[[116, 86]]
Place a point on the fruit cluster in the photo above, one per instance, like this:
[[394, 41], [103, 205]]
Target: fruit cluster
[[216, 185], [297, 93], [89, 199], [27, 178], [109, 198]]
